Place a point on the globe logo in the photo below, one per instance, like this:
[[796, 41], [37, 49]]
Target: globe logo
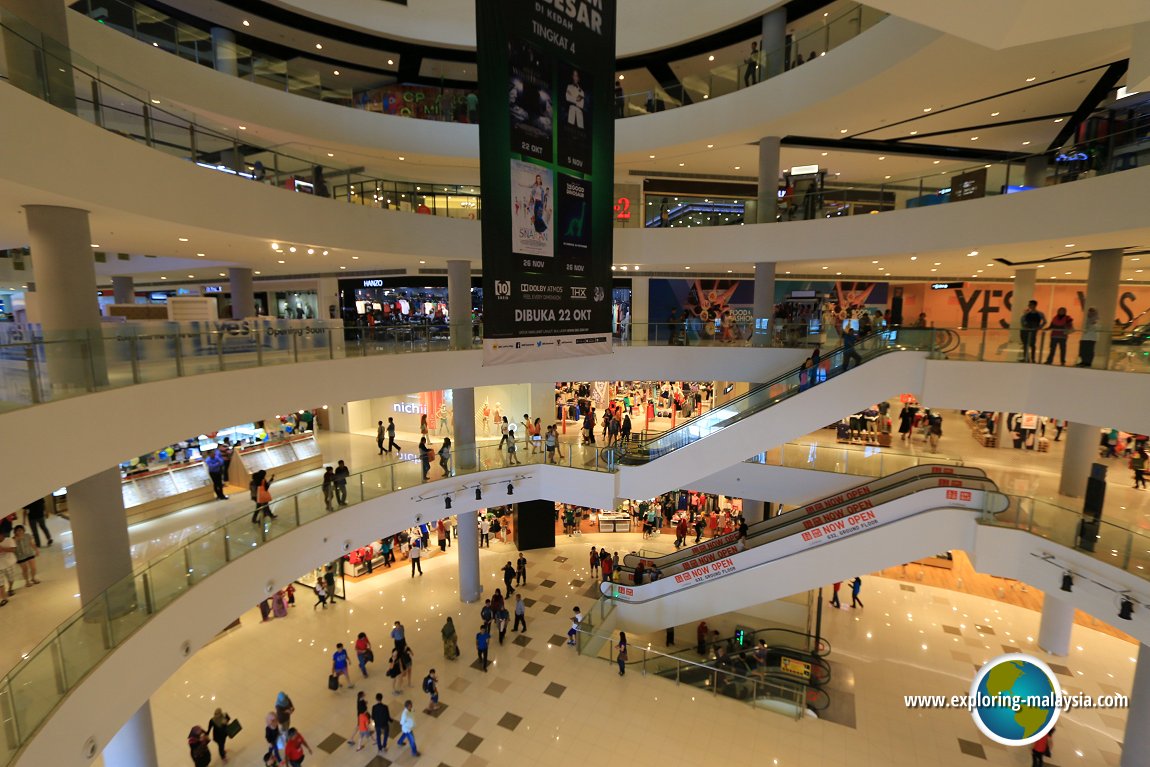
[[1015, 699]]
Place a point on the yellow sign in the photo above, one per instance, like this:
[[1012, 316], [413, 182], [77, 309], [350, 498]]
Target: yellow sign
[[798, 668]]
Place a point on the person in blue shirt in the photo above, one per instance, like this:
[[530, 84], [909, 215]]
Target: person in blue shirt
[[215, 463], [850, 337], [339, 664], [856, 587], [482, 639]]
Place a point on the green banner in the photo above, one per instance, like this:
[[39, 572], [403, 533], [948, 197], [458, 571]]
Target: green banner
[[546, 149]]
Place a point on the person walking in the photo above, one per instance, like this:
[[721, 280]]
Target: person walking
[[501, 619], [26, 552], [511, 447], [398, 635], [380, 437], [1091, 326], [198, 746], [34, 520], [445, 456], [482, 640], [339, 665], [835, 595], [850, 338], [294, 747], [508, 577], [520, 613], [407, 728], [520, 570], [1138, 463], [381, 718], [484, 531], [450, 640], [503, 432], [856, 587], [1060, 325], [1042, 748], [341, 475], [272, 737], [576, 620], [431, 687], [1031, 322], [328, 487], [416, 554], [217, 730], [621, 653], [320, 595], [215, 464], [261, 491], [391, 443], [363, 653]]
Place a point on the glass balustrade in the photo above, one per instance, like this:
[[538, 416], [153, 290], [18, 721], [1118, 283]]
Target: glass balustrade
[[35, 686]]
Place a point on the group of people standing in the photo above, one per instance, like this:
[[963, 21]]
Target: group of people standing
[[1060, 326]]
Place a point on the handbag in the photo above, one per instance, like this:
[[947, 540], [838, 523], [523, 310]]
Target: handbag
[[332, 682], [234, 728], [369, 656]]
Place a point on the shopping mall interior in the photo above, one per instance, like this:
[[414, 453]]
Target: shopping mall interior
[[783, 499]]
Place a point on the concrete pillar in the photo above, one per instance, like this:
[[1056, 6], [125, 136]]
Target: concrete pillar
[[543, 404], [243, 294], [768, 200], [764, 306], [1102, 293], [1136, 744], [66, 307], [135, 744], [1138, 75], [754, 511], [467, 549], [1034, 172], [640, 309], [327, 298], [224, 51], [459, 305], [774, 43], [1024, 280], [1057, 622], [1080, 452], [124, 290], [467, 543], [100, 535], [463, 427], [36, 50]]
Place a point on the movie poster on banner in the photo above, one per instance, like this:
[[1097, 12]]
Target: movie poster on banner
[[546, 72]]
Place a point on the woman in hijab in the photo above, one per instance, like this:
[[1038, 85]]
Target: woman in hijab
[[450, 640], [218, 731]]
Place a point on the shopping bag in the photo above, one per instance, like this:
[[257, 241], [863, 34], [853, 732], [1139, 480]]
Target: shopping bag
[[234, 728], [333, 682]]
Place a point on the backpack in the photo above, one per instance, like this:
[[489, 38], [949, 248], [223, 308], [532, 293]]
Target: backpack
[[428, 684]]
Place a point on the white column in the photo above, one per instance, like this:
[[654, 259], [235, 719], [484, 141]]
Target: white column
[[135, 744], [224, 51], [243, 294], [467, 541], [327, 298], [774, 43], [99, 533], [764, 303], [543, 403], [1102, 294], [754, 511], [459, 303], [1023, 292], [124, 290], [1136, 744], [640, 308], [467, 549], [1080, 452], [1057, 623], [768, 200]]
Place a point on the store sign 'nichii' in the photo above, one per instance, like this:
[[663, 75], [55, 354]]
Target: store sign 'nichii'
[[409, 407]]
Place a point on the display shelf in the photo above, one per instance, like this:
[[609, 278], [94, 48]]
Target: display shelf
[[289, 457], [166, 490]]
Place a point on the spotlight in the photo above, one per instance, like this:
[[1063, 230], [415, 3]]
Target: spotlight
[[447, 502], [1067, 582], [510, 489], [1127, 609], [478, 494]]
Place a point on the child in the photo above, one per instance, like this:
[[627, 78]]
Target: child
[[25, 555], [290, 590]]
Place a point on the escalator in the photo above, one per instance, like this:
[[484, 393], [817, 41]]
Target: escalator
[[863, 496], [828, 540]]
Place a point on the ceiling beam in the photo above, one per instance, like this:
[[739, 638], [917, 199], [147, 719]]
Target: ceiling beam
[[896, 147], [1107, 82]]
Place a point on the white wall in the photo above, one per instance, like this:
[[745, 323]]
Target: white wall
[[777, 484]]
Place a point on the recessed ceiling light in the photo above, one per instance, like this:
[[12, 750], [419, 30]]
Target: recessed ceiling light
[[1040, 266], [738, 167], [94, 245], [247, 23], [155, 101], [914, 133], [927, 109], [837, 273], [974, 138], [1058, 120], [182, 239], [291, 249], [391, 62], [281, 261], [1026, 143], [711, 57], [1069, 245], [979, 271], [401, 159], [355, 258], [318, 47], [423, 262], [163, 278], [936, 162], [343, 267], [728, 271], [329, 154], [1066, 272], [650, 157], [243, 127], [710, 146], [994, 114], [844, 130], [682, 164], [886, 176], [201, 255], [1031, 79], [938, 263], [335, 72], [191, 276], [275, 246], [324, 253], [914, 258], [874, 262], [882, 156], [613, 267], [972, 253], [258, 272], [222, 274], [786, 272], [686, 267], [311, 251], [826, 267], [934, 270]]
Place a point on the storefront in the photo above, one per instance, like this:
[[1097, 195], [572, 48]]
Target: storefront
[[373, 301], [409, 410]]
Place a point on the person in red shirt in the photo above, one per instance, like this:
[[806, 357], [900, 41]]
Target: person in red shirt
[[1041, 749], [1060, 325], [293, 748], [363, 652]]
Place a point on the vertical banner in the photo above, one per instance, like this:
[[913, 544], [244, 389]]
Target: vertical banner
[[546, 149]]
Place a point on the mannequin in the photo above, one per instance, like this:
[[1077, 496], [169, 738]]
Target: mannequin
[[442, 428]]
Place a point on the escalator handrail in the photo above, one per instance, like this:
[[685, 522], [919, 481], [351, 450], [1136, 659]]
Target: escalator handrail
[[990, 492], [859, 348], [882, 484]]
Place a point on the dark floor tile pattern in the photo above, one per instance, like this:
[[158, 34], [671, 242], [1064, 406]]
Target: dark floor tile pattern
[[438, 712], [906, 587], [1061, 670], [469, 743], [557, 640], [331, 743], [970, 748], [521, 640], [528, 601], [1011, 648], [577, 582], [551, 609], [560, 559], [547, 584], [984, 629], [532, 668], [379, 761], [952, 630], [555, 690], [510, 721]]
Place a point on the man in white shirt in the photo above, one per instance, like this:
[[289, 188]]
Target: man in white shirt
[[575, 101], [407, 728], [576, 620], [484, 532], [416, 555]]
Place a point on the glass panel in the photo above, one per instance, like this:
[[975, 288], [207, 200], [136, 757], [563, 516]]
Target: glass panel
[[242, 536], [8, 740], [37, 686], [167, 579], [84, 640], [312, 505], [207, 554], [284, 509], [131, 607]]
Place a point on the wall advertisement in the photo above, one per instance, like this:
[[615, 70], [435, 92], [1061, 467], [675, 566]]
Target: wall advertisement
[[547, 141]]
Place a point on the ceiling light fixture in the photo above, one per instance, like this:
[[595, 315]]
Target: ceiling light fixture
[[882, 156], [324, 253], [1031, 79], [355, 258], [1026, 143], [972, 253], [200, 255], [710, 146], [738, 167], [243, 127], [335, 72], [318, 47], [974, 138], [1058, 119], [936, 162], [281, 261], [94, 245], [329, 154], [844, 130], [391, 62], [711, 57], [914, 133], [182, 239], [291, 249], [994, 114], [311, 251]]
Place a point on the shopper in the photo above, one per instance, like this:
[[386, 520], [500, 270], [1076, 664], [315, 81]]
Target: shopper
[[217, 729], [501, 619], [339, 665], [398, 636], [933, 429], [445, 456], [380, 437], [482, 640], [431, 687], [1060, 325], [363, 653], [341, 475], [198, 746], [381, 718], [605, 565], [751, 73], [416, 554], [508, 577], [1031, 322], [215, 464], [26, 552], [34, 519], [407, 728], [856, 587], [261, 492], [503, 432], [450, 640], [391, 443], [1137, 463], [520, 613], [550, 442], [594, 561], [293, 748], [1042, 748], [835, 595], [520, 570], [484, 531], [363, 724], [7, 566], [511, 448], [850, 338], [1091, 326], [576, 620], [621, 653], [328, 487], [284, 709], [426, 456], [272, 737]]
